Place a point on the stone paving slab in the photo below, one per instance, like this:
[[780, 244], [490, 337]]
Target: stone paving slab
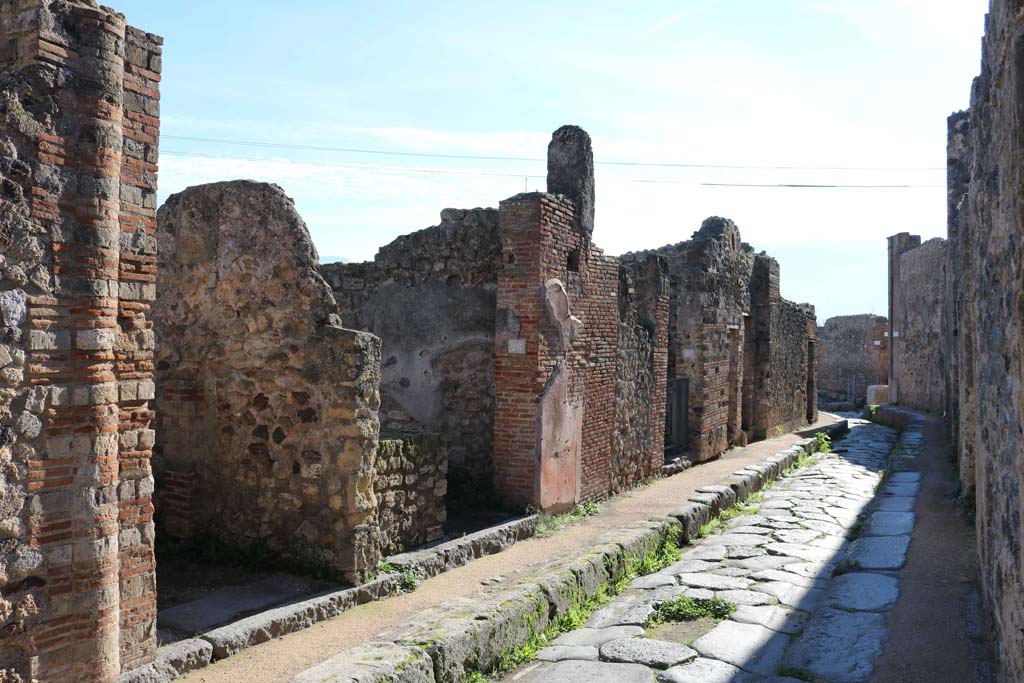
[[808, 601]]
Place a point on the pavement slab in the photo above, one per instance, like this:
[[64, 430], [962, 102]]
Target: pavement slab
[[750, 647], [839, 646], [657, 654], [877, 552], [864, 592]]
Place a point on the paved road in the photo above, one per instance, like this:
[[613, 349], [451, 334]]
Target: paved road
[[812, 573]]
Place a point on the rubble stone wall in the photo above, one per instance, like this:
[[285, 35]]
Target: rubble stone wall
[[853, 355], [79, 106], [986, 255], [918, 338], [430, 297], [411, 482], [268, 408]]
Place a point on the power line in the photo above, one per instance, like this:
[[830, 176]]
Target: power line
[[436, 155], [436, 171]]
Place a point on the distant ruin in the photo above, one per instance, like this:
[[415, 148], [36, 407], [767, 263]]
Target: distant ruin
[[854, 356]]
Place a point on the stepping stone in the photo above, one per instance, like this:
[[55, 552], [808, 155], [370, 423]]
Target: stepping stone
[[575, 671], [706, 671], [657, 654], [596, 637], [714, 581], [890, 524], [793, 596], [877, 552], [896, 504], [864, 592], [781, 619], [804, 552], [749, 647], [796, 535], [561, 653], [839, 646], [745, 597]]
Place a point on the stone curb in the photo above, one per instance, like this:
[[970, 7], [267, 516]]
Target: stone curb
[[177, 659], [470, 634]]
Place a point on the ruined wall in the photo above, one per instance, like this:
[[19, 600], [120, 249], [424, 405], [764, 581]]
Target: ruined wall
[[640, 373], [411, 482], [957, 344], [781, 367], [917, 338], [710, 298], [853, 355], [988, 264], [898, 245], [79, 106], [430, 297], [267, 407], [571, 341]]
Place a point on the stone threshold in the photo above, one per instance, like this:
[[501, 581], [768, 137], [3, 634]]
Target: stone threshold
[[447, 643], [181, 657]]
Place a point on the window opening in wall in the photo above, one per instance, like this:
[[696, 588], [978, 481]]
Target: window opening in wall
[[572, 263]]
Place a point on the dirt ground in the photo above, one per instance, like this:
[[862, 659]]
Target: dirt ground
[[280, 659]]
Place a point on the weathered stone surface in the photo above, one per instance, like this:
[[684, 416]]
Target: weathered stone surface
[[781, 619], [706, 671], [864, 591], [560, 653], [587, 672], [714, 581], [571, 173], [890, 524], [750, 647], [854, 354], [595, 637], [657, 654], [839, 646], [251, 339], [372, 663], [877, 552], [896, 504]]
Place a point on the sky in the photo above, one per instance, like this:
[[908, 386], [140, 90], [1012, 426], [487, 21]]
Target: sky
[[719, 92]]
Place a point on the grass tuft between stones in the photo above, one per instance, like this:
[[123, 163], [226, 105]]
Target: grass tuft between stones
[[685, 608]]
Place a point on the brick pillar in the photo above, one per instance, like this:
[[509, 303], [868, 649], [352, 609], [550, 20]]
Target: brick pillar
[[83, 255]]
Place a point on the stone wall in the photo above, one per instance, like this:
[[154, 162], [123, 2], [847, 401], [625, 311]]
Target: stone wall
[[917, 299], [267, 407], [559, 368], [411, 482], [986, 273], [430, 297], [853, 355], [79, 106]]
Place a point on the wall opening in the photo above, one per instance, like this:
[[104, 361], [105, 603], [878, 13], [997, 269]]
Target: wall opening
[[676, 417], [810, 382]]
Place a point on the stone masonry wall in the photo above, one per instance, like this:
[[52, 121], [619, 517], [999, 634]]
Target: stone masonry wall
[[918, 338], [79, 106], [267, 407], [853, 355], [641, 372], [430, 297], [986, 255], [709, 278], [411, 482]]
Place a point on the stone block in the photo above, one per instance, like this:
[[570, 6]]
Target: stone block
[[878, 395]]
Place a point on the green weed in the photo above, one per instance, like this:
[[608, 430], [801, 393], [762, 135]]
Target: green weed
[[691, 609]]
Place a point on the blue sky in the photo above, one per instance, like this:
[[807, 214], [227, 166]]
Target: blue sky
[[809, 83]]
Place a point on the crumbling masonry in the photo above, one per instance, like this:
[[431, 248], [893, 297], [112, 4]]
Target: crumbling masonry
[[79, 104], [854, 355]]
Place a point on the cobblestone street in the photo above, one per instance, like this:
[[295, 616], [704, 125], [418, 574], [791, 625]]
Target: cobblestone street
[[810, 573]]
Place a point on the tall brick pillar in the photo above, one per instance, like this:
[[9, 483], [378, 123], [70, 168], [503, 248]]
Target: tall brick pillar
[[79, 106]]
